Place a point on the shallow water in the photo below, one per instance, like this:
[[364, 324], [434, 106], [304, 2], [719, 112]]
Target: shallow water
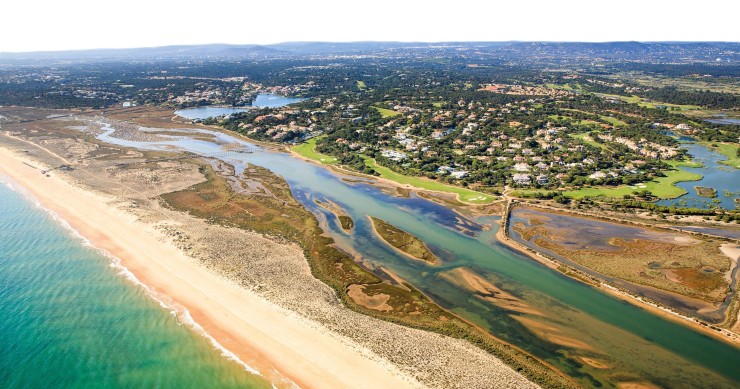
[[724, 120], [263, 100], [72, 319], [268, 100], [577, 233], [636, 344], [196, 113], [724, 179], [727, 233]]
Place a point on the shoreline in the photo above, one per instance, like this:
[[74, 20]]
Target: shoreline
[[724, 335], [436, 260], [270, 339], [180, 121], [341, 169]]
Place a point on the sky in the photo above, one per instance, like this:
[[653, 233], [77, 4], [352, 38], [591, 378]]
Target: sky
[[35, 25]]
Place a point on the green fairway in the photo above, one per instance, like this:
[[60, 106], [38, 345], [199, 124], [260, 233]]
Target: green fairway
[[361, 85], [613, 121], [729, 150], [661, 187], [387, 113], [648, 103], [604, 118], [567, 87], [553, 86], [583, 122], [686, 164], [465, 195], [586, 138], [308, 150]]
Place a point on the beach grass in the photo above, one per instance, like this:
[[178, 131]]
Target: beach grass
[[283, 217], [403, 241], [346, 222], [672, 266]]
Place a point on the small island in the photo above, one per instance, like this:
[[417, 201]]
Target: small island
[[403, 241], [704, 191], [345, 221]]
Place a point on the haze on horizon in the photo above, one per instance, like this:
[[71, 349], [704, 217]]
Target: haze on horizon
[[85, 24]]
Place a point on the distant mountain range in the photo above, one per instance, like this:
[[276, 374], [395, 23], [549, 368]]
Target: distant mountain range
[[647, 51]]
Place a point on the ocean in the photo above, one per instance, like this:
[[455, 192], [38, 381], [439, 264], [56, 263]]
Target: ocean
[[70, 317]]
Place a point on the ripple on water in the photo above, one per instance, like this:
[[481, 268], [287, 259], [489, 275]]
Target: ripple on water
[[69, 319]]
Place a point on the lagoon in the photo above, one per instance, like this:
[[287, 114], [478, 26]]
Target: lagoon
[[635, 343], [200, 113], [724, 120], [724, 179], [263, 100]]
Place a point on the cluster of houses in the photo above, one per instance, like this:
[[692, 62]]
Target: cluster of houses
[[459, 141], [393, 155], [208, 94], [642, 147], [453, 172], [524, 90], [541, 159]]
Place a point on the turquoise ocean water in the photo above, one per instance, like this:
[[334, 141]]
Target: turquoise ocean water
[[70, 318]]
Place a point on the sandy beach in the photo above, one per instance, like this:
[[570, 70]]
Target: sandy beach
[[255, 294], [282, 346]]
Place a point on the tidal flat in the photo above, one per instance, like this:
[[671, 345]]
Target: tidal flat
[[693, 274], [562, 303]]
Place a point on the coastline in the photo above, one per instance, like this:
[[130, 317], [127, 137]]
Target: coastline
[[340, 169], [285, 348], [696, 324], [724, 335]]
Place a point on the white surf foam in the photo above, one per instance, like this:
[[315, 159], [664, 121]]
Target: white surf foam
[[181, 313]]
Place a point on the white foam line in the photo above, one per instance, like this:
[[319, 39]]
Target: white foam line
[[181, 313]]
